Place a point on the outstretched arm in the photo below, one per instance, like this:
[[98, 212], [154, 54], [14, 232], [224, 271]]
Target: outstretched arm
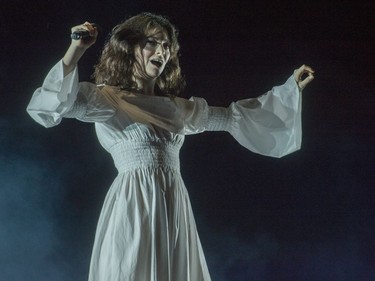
[[269, 125]]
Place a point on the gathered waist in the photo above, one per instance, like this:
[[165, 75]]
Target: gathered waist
[[131, 155]]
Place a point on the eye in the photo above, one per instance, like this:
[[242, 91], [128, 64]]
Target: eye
[[151, 42], [166, 46]]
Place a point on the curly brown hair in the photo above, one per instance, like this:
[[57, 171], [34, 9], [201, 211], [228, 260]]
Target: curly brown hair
[[116, 63]]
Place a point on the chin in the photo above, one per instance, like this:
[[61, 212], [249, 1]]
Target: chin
[[154, 75]]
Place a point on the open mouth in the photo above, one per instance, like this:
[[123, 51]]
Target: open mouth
[[157, 63]]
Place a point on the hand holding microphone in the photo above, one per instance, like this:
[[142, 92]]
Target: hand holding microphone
[[85, 35]]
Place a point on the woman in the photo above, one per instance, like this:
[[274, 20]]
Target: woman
[[146, 230]]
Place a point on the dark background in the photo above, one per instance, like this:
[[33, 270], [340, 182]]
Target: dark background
[[307, 216]]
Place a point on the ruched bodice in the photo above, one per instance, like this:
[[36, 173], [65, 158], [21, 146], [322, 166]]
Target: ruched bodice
[[133, 154]]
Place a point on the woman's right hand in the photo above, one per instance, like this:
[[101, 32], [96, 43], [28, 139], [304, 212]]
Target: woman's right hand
[[78, 47], [86, 42]]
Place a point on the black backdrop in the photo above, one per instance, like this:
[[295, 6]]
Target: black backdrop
[[307, 216]]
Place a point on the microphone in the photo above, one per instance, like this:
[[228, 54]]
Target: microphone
[[83, 34]]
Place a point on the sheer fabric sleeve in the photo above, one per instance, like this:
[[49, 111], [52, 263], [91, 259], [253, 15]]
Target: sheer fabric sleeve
[[269, 125], [62, 96]]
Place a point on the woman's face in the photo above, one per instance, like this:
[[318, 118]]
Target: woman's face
[[152, 54]]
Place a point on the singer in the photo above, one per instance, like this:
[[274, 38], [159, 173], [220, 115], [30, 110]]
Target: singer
[[146, 230]]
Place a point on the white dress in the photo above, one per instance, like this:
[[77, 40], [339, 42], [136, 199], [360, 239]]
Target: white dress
[[146, 230]]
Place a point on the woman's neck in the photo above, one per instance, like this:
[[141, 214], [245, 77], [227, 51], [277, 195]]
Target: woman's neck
[[146, 87]]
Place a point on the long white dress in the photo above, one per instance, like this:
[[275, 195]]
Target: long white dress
[[146, 230]]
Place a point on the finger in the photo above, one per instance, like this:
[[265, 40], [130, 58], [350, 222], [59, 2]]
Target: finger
[[298, 73], [303, 83], [304, 69], [85, 26], [91, 28]]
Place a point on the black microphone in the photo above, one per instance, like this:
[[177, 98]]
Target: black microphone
[[82, 34]]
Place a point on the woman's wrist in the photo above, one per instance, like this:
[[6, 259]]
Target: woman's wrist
[[71, 57]]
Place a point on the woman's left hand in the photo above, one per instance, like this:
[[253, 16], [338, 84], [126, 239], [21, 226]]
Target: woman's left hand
[[298, 73]]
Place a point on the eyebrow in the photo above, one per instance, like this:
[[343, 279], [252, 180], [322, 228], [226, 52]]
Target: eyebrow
[[157, 39]]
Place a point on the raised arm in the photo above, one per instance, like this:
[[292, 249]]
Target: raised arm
[[62, 95], [78, 47]]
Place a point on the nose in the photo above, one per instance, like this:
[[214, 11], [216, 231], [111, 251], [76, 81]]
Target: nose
[[160, 49]]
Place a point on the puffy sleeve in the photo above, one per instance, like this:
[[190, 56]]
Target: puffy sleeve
[[62, 96], [269, 125]]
